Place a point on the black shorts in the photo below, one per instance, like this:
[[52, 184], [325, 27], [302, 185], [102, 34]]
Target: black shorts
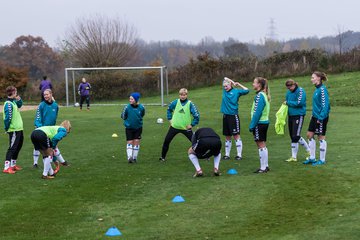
[[132, 133], [231, 125], [207, 147], [318, 128], [260, 132], [40, 140]]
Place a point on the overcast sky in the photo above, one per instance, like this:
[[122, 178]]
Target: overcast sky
[[185, 20]]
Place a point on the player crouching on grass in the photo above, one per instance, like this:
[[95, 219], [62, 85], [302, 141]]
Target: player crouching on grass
[[45, 139], [205, 143], [132, 115]]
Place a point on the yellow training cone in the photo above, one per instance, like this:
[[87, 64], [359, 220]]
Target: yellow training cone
[[114, 135]]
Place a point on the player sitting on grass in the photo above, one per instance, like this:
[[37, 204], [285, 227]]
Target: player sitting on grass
[[205, 143], [132, 115], [45, 139]]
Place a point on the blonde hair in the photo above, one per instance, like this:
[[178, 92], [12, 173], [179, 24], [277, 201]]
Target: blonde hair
[[264, 86], [321, 75], [183, 91], [66, 124]]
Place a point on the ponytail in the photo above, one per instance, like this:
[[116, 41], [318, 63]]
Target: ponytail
[[264, 86], [321, 75]]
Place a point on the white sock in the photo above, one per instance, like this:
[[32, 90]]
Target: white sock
[[12, 163], [304, 144], [6, 165], [323, 147], [36, 155], [263, 153], [47, 165], [227, 148], [59, 156], [239, 144], [217, 161], [294, 149], [195, 161], [129, 150], [136, 151], [312, 146], [51, 171]]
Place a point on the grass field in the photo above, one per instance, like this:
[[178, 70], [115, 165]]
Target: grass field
[[100, 189]]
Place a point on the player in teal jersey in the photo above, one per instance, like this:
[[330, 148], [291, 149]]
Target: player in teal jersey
[[296, 102], [132, 115], [231, 120], [46, 139], [260, 121], [319, 118], [13, 125]]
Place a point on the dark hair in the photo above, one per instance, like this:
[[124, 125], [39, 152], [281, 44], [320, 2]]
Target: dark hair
[[264, 86], [290, 83], [44, 77], [10, 90], [321, 75]]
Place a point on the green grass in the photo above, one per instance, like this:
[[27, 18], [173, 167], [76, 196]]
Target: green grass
[[100, 189]]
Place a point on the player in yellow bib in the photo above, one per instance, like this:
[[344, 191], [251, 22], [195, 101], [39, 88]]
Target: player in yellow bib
[[183, 115]]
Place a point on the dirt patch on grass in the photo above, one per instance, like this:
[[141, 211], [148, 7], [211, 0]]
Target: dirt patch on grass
[[23, 108]]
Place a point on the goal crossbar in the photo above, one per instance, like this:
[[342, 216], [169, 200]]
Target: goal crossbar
[[163, 70]]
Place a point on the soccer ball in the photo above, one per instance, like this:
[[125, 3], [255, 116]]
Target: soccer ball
[[77, 104], [160, 121]]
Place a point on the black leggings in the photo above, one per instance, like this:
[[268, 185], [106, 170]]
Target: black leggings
[[169, 137], [85, 98], [16, 140]]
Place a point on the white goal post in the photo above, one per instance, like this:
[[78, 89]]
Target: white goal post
[[162, 72]]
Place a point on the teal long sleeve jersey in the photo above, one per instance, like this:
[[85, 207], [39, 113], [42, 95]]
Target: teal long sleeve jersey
[[296, 101], [321, 103], [133, 116]]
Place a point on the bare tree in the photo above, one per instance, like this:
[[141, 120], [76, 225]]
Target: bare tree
[[101, 42]]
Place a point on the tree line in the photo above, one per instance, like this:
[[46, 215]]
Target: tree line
[[103, 42]]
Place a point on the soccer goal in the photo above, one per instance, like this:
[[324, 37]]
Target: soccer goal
[[112, 85]]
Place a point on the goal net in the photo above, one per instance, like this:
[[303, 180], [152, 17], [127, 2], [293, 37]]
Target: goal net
[[112, 85]]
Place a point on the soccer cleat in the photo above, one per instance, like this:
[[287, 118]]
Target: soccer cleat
[[292, 159], [134, 160], [16, 168], [130, 160], [267, 169], [65, 164], [161, 159], [47, 177], [226, 157], [9, 171], [35, 165], [308, 161], [238, 158], [261, 171], [319, 162], [198, 174], [216, 172]]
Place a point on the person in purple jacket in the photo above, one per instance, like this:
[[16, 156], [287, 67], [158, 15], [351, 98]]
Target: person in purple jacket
[[84, 92], [44, 84]]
